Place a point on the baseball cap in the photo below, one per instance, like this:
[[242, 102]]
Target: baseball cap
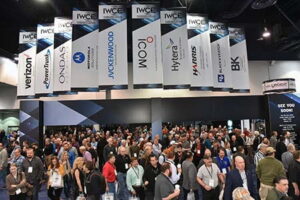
[[270, 150]]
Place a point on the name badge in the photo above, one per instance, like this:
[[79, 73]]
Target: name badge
[[18, 191], [85, 191], [224, 171], [138, 182], [126, 165], [198, 151], [211, 182], [111, 152], [30, 169], [134, 155], [155, 178], [116, 172], [234, 148]]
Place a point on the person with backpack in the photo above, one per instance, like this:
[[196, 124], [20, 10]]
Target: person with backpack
[[95, 185]]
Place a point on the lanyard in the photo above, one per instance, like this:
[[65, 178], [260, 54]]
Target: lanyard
[[210, 173], [137, 174]]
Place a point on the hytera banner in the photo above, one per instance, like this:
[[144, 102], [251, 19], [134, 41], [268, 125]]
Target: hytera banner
[[62, 54], [200, 63], [113, 65], [44, 59], [175, 49], [27, 53], [239, 60], [146, 46], [220, 51], [84, 50]]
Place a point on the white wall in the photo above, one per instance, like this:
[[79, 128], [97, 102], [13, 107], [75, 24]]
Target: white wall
[[259, 71]]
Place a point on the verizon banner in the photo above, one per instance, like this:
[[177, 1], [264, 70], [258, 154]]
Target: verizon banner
[[146, 46], [200, 62], [175, 49], [113, 65], [44, 59], [62, 54], [220, 52], [239, 60], [27, 53], [84, 50]]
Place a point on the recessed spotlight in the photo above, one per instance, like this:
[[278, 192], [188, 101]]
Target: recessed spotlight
[[266, 33]]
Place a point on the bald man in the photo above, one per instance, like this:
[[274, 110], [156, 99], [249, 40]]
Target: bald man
[[239, 177]]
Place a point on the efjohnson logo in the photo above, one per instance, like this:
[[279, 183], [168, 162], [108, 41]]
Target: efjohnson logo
[[111, 56], [62, 64], [46, 67], [194, 61], [28, 71], [146, 10], [87, 16], [142, 53], [113, 11]]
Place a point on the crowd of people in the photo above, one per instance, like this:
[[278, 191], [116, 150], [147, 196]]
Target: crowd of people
[[183, 163]]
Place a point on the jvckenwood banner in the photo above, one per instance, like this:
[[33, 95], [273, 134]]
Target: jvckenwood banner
[[84, 50], [200, 61], [44, 59], [113, 64], [26, 66], [146, 46], [239, 60], [176, 73], [62, 54], [220, 52]]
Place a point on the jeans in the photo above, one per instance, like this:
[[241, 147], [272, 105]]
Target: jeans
[[56, 195], [123, 193], [3, 177], [35, 192], [112, 188]]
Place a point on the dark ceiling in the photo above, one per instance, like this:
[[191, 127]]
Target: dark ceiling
[[283, 45]]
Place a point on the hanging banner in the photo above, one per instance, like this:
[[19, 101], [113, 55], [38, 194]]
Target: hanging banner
[[200, 62], [26, 66], [84, 51], [146, 46], [44, 59], [220, 52], [62, 54], [176, 73], [239, 60], [113, 64]]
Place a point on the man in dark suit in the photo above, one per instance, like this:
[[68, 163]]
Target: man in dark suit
[[239, 177]]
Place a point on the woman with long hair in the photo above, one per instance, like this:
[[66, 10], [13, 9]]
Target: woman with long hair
[[55, 183], [64, 161], [78, 176], [16, 184]]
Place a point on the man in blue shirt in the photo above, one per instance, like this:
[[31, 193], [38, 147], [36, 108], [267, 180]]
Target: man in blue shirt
[[222, 161]]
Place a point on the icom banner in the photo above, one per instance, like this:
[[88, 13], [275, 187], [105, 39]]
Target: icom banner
[[284, 114], [176, 73], [239, 60], [27, 53], [220, 51], [113, 65], [62, 54], [146, 46], [200, 62], [84, 50], [44, 59]]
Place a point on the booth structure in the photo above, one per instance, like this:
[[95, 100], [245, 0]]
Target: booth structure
[[281, 112]]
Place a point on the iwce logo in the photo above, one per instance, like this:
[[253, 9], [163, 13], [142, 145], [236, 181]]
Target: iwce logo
[[174, 15], [199, 22], [217, 27], [46, 68], [194, 61], [146, 10], [113, 11], [30, 36], [87, 16], [28, 71], [142, 50], [47, 31]]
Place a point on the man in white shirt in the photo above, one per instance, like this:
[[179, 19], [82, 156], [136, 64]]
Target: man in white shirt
[[176, 172]]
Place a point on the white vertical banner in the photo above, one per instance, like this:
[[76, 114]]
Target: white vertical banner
[[26, 66], [112, 38], [239, 60], [44, 59], [200, 62], [220, 52], [62, 54], [84, 51], [146, 46], [176, 73]]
